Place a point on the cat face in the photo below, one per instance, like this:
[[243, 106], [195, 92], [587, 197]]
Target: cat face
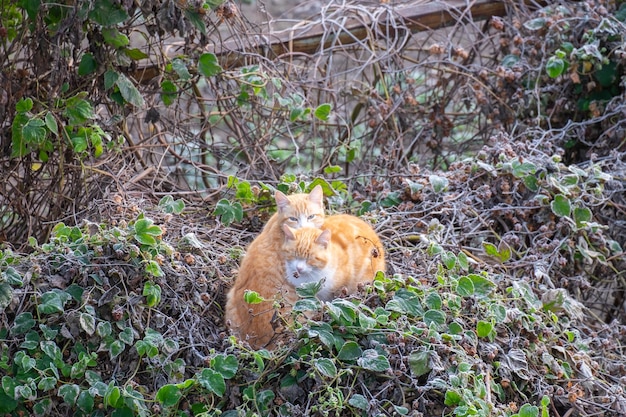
[[306, 257], [302, 210]]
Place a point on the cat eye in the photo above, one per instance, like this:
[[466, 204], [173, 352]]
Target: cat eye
[[312, 216], [293, 219]]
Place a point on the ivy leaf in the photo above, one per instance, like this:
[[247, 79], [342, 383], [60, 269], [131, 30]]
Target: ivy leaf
[[6, 295], [228, 211], [555, 67], [322, 112], [78, 110], [87, 65], [252, 297], [419, 362], [168, 92], [359, 401], [212, 381], [350, 351], [208, 65], [326, 367], [69, 392], [373, 361], [180, 68], [53, 302], [436, 317], [582, 216], [226, 365], [152, 292], [128, 91], [484, 328], [113, 37], [107, 13], [438, 183], [169, 395], [146, 231], [561, 205], [135, 54]]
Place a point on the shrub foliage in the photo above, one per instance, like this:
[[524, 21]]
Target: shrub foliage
[[490, 159]]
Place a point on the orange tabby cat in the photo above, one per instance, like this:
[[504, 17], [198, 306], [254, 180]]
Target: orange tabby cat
[[262, 269], [344, 253]]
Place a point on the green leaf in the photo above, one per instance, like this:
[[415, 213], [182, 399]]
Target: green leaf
[[113, 37], [24, 105], [110, 78], [449, 259], [482, 286], [228, 211], [212, 381], [169, 205], [433, 301], [180, 68], [129, 91], [438, 183], [33, 131], [168, 92], [373, 361], [153, 268], [116, 348], [208, 65], [452, 398], [359, 401], [332, 169], [85, 401], [419, 362], [307, 304], [88, 323], [47, 383], [112, 395], [104, 329], [79, 144], [53, 302], [226, 365], [6, 295], [252, 297], [69, 392], [152, 292], [169, 395], [555, 67], [107, 13], [436, 317], [535, 24], [51, 349], [78, 110], [465, 287], [528, 410], [135, 54], [582, 216], [484, 328], [322, 112], [405, 302], [87, 65], [350, 351], [146, 231], [561, 205], [325, 367], [51, 123]]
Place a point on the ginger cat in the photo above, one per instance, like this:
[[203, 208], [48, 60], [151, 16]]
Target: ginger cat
[[345, 253], [262, 268]]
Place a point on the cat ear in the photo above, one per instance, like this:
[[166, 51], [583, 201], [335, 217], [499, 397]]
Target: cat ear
[[324, 238], [281, 200], [289, 232], [317, 195]]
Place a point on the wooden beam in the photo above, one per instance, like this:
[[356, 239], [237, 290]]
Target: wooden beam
[[309, 38]]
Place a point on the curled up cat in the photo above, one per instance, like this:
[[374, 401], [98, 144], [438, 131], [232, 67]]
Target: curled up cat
[[262, 269], [299, 244]]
